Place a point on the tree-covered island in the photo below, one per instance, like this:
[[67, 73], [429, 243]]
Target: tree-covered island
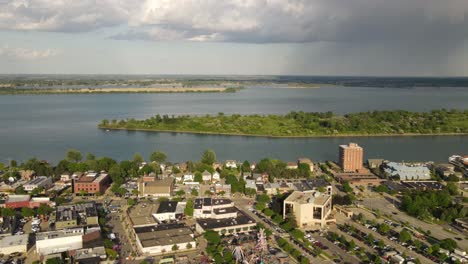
[[301, 124]]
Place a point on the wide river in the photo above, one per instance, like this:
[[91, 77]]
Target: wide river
[[45, 126]]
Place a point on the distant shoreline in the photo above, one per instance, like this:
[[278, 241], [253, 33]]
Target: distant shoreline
[[271, 136], [14, 91]]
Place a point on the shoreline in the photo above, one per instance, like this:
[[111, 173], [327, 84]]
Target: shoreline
[[272, 136], [118, 90]]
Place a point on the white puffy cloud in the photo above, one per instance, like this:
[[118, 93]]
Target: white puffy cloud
[[27, 54], [251, 21]]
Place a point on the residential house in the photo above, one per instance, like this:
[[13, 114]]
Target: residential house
[[216, 176], [291, 165], [206, 176], [306, 161], [232, 164]]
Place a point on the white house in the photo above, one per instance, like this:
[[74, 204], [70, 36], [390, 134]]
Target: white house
[[206, 176], [188, 178], [216, 176], [232, 164]]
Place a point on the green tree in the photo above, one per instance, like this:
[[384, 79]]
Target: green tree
[[8, 212], [194, 192], [452, 188], [44, 209], [198, 177], [212, 237], [27, 212], [138, 158], [90, 156], [74, 155], [158, 157], [189, 245], [13, 164], [189, 208], [208, 157], [346, 187], [175, 247], [448, 244], [384, 228], [263, 198], [131, 202], [54, 261], [245, 166], [180, 193], [404, 236]]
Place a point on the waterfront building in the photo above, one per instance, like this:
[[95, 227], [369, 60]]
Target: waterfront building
[[407, 172], [350, 157]]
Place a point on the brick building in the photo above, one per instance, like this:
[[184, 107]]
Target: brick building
[[351, 157], [92, 183]]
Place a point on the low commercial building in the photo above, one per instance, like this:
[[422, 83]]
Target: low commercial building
[[169, 210], [358, 179], [38, 182], [92, 183], [203, 207], [10, 244], [157, 188], [22, 200], [70, 216], [90, 255], [159, 239], [407, 172], [310, 208], [226, 221], [59, 241]]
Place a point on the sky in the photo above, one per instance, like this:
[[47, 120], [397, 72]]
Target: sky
[[242, 37]]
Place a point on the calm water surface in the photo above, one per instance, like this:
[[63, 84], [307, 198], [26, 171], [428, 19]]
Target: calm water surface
[[45, 126]]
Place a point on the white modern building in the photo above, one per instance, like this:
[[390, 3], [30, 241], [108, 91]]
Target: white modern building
[[59, 241], [204, 207], [310, 208], [169, 210]]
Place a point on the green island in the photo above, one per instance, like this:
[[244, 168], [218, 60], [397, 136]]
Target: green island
[[302, 124]]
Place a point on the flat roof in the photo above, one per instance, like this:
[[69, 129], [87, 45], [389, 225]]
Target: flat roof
[[18, 198], [142, 213], [240, 219], [161, 235], [37, 180], [59, 233], [317, 198], [167, 207], [200, 202], [11, 241]]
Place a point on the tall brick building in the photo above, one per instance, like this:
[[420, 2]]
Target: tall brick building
[[351, 157]]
